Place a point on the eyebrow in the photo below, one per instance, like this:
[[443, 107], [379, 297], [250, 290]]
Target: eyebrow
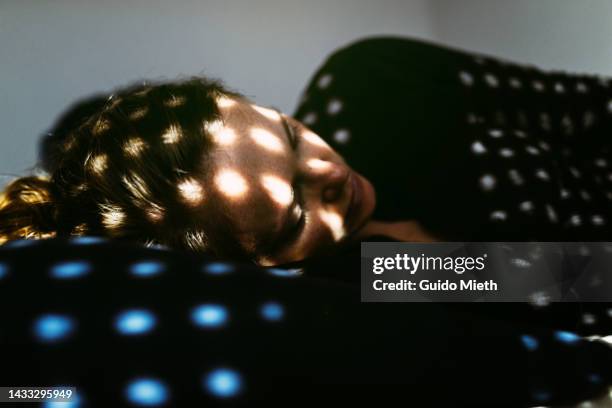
[[289, 133]]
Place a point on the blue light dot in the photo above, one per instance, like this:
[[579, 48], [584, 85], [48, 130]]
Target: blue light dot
[[218, 268], [147, 392], [87, 240], [3, 270], [285, 273], [52, 328], [209, 316], [530, 342], [272, 311], [134, 322], [147, 268], [74, 402], [70, 270], [21, 243], [567, 337], [223, 383]]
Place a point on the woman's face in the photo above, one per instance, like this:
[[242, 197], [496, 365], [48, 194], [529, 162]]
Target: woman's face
[[287, 192]]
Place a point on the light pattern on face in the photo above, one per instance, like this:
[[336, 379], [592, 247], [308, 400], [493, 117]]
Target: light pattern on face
[[225, 102], [317, 164], [334, 222], [280, 191], [311, 137], [267, 140], [231, 183], [273, 178], [268, 113]]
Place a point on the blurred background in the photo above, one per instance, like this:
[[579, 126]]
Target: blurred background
[[54, 52]]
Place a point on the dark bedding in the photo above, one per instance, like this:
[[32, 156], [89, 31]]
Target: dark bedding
[[110, 317]]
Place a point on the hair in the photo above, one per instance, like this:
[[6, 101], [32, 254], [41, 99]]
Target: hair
[[116, 167]]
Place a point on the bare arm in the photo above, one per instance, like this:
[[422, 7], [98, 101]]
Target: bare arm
[[409, 231]]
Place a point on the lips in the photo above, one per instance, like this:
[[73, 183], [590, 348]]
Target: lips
[[352, 213]]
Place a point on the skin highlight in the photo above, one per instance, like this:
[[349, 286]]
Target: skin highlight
[[288, 198]]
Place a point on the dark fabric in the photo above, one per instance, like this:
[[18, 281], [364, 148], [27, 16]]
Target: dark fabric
[[475, 148], [318, 344]]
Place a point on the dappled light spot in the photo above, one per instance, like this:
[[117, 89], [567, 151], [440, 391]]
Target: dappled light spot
[[139, 113], [279, 190], [101, 126], [223, 383], [225, 102], [135, 322], [70, 270], [223, 136], [98, 163], [334, 106], [314, 139], [137, 187], [268, 113], [231, 183], [567, 337], [342, 136], [86, 240], [267, 140], [285, 273], [487, 182], [272, 311], [147, 268], [218, 268], [147, 392], [317, 164], [172, 135], [154, 212], [52, 328], [210, 316], [196, 240], [334, 222], [309, 118], [134, 146], [175, 101], [213, 126], [324, 81], [478, 147], [191, 191], [113, 216]]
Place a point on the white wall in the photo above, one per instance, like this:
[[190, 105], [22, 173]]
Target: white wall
[[53, 52], [573, 35]]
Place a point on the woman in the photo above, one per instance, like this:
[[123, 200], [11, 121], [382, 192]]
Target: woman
[[191, 164], [194, 165]]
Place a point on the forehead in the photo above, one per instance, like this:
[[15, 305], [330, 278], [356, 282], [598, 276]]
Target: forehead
[[251, 167]]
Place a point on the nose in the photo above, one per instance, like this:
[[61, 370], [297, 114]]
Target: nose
[[329, 177]]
